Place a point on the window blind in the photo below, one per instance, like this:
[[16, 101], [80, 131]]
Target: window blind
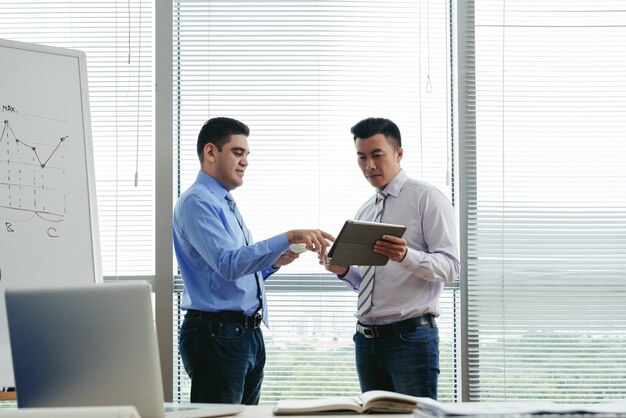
[[117, 40], [546, 209], [300, 74]]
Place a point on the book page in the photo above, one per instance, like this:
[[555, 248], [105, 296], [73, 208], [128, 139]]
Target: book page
[[383, 400], [307, 406]]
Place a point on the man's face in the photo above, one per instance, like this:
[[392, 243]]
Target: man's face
[[378, 160], [228, 165]]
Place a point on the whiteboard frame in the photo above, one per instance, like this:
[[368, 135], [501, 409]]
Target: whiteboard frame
[[89, 162], [88, 156]]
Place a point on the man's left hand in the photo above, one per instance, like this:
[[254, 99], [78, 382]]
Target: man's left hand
[[286, 258], [393, 247]]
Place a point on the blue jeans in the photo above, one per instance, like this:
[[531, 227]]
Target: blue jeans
[[223, 359], [405, 363]]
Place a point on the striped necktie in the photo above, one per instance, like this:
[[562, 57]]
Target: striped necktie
[[246, 235], [364, 303]]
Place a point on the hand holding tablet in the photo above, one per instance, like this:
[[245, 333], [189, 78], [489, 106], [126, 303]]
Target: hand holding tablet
[[355, 243]]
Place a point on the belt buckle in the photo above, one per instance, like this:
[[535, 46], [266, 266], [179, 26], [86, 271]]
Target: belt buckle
[[368, 332]]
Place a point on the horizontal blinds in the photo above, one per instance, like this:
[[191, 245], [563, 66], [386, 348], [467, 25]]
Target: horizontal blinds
[[546, 243], [117, 40], [310, 348], [300, 74], [310, 353]]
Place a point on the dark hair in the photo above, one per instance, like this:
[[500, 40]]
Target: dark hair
[[218, 131], [372, 126]]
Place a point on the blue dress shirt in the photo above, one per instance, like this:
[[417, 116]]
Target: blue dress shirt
[[217, 267]]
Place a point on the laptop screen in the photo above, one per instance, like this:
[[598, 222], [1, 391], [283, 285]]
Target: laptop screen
[[85, 346]]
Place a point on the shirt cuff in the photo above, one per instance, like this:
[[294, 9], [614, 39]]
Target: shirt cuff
[[352, 278], [411, 259], [279, 243]]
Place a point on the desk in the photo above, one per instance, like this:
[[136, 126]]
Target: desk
[[265, 411], [250, 411]]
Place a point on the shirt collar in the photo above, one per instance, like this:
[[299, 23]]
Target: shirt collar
[[395, 185], [212, 184]]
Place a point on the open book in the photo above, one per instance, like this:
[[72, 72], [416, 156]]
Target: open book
[[384, 401], [371, 401]]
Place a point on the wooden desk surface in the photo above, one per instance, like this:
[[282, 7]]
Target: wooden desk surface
[[259, 411], [265, 411]]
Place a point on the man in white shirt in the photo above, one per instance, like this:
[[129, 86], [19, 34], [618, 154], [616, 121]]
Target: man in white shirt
[[397, 340]]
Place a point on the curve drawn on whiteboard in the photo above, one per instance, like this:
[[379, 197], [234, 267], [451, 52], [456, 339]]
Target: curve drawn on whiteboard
[[34, 186]]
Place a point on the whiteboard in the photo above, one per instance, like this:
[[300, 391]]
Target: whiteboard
[[48, 222]]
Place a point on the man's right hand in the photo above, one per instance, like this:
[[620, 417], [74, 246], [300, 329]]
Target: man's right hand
[[315, 239], [334, 268]]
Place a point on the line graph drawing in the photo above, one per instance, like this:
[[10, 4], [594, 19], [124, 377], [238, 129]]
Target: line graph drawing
[[32, 176], [7, 128]]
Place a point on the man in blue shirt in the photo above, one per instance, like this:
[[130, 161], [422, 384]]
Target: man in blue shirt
[[223, 271], [397, 340]]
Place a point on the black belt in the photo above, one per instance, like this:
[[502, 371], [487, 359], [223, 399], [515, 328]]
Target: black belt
[[395, 328], [251, 322]]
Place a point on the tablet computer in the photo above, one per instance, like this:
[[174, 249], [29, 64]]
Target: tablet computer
[[354, 245]]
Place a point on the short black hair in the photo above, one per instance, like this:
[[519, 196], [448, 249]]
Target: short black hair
[[372, 126], [218, 131]]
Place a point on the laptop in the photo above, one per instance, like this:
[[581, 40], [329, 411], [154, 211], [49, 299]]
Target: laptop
[[92, 345]]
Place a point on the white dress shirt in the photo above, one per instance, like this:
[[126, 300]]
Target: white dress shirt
[[411, 287]]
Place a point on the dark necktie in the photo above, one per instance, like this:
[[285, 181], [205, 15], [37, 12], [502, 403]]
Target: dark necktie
[[247, 238], [364, 303]]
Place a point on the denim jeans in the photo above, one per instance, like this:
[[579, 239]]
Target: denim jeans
[[405, 363], [223, 359]]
